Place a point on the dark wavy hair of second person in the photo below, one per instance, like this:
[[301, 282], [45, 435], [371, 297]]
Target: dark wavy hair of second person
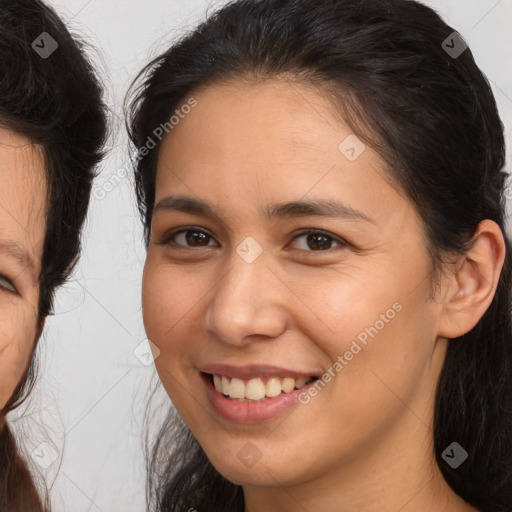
[[54, 103], [434, 119]]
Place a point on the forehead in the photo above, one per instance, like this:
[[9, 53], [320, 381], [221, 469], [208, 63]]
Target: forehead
[[249, 130], [263, 119], [23, 194], [267, 141]]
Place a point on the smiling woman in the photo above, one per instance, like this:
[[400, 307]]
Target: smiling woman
[[328, 280], [52, 128]]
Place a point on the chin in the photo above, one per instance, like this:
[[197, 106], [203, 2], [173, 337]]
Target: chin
[[257, 476], [237, 466]]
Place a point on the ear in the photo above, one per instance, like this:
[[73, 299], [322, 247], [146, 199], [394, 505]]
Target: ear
[[472, 286]]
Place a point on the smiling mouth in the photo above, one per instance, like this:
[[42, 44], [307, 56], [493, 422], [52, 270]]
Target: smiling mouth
[[256, 389]]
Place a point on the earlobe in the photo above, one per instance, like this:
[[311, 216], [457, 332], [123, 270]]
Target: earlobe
[[473, 284]]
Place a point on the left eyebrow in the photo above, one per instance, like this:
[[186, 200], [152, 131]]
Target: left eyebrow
[[302, 208], [307, 208]]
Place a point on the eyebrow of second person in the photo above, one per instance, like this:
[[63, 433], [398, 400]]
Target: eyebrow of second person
[[301, 208], [16, 251]]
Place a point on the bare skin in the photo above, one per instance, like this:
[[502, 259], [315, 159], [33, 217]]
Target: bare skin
[[365, 441], [22, 228]]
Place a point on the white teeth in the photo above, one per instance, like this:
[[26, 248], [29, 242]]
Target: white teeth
[[288, 385], [237, 388], [273, 387], [225, 385], [217, 381], [300, 382], [256, 389]]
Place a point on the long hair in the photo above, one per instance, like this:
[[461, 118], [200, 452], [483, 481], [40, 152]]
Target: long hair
[[432, 117], [56, 102]]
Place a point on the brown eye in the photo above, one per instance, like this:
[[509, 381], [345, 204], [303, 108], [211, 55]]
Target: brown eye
[[196, 237], [189, 238], [319, 241]]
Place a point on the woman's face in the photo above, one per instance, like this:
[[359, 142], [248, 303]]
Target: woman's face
[[241, 292], [22, 228]]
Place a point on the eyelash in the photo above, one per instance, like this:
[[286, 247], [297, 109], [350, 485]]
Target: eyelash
[[169, 237], [10, 287]]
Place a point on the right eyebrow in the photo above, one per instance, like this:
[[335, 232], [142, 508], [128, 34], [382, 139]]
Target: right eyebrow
[[19, 253], [186, 205]]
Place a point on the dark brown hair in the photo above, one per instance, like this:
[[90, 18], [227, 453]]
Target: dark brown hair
[[56, 102]]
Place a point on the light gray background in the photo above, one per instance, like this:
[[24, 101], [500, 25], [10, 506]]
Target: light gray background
[[87, 407]]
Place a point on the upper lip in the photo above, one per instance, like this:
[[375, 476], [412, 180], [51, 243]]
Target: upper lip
[[252, 371]]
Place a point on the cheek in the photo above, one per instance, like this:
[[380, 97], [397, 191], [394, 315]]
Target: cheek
[[17, 332], [379, 333], [336, 308], [169, 306], [166, 299]]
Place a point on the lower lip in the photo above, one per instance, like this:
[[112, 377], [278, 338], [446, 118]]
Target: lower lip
[[251, 412]]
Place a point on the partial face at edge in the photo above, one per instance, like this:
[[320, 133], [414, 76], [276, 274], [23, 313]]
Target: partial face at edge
[[22, 229], [304, 300]]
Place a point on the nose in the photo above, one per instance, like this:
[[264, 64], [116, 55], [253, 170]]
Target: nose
[[248, 303]]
